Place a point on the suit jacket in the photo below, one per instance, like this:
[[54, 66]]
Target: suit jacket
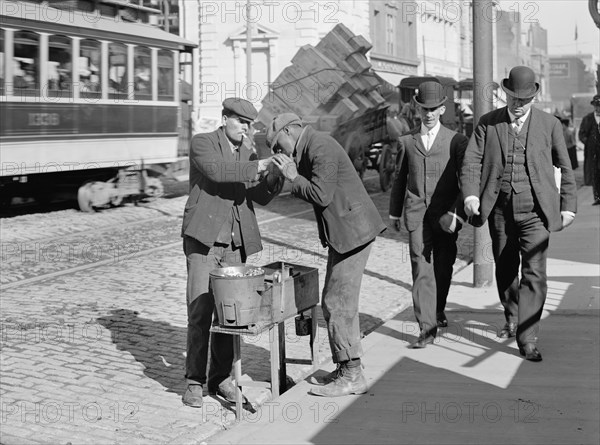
[[485, 159], [426, 182], [346, 216], [217, 182]]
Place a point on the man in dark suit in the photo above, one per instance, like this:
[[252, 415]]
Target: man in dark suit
[[322, 174], [219, 228], [589, 134], [507, 178], [426, 187]]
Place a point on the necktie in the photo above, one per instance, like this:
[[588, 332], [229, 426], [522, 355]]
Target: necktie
[[429, 141], [517, 125]]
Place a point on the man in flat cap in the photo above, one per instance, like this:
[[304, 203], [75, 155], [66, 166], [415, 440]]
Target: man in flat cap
[[507, 178], [219, 228], [425, 192], [589, 134], [322, 174]]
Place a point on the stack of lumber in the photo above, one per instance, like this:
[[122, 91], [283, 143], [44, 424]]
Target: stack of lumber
[[326, 84]]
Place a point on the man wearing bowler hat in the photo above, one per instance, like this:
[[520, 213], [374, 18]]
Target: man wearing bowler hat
[[425, 191], [219, 228], [507, 178], [322, 174], [589, 134]]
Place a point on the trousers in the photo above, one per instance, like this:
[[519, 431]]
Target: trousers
[[519, 238], [432, 255], [201, 313], [340, 301]]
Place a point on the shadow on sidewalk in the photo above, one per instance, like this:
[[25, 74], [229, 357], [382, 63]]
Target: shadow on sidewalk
[[160, 347]]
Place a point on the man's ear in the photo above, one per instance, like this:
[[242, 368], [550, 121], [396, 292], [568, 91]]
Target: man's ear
[[442, 109]]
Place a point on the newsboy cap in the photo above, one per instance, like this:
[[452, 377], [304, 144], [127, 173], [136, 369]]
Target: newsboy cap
[[430, 95], [244, 109], [521, 83], [279, 123], [596, 100]]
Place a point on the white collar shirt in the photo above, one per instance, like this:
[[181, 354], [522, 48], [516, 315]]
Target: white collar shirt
[[428, 136], [521, 120]]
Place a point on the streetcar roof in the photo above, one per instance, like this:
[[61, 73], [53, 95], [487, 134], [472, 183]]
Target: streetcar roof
[[42, 17]]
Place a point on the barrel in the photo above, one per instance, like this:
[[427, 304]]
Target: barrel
[[237, 292]]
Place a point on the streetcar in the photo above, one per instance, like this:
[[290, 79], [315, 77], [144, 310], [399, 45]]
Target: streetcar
[[86, 100]]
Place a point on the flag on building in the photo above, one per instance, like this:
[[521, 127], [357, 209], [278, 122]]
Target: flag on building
[[575, 31]]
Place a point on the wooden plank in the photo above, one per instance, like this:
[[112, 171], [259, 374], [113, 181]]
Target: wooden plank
[[358, 62], [359, 44], [311, 60], [328, 122], [345, 109], [335, 47]]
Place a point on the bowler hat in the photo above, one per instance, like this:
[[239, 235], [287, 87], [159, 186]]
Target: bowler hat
[[279, 123], [430, 95], [241, 107], [521, 83], [596, 100]]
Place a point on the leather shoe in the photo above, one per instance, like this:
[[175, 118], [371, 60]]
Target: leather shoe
[[530, 352], [193, 396], [509, 330], [423, 341], [349, 381], [327, 378], [226, 390], [442, 321]]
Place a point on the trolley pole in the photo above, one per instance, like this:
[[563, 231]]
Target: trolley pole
[[483, 15]]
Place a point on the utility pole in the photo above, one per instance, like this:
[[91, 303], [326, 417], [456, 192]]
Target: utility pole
[[249, 59], [248, 45], [483, 11]]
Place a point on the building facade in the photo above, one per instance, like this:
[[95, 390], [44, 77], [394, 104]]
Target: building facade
[[393, 26], [569, 75], [277, 29]]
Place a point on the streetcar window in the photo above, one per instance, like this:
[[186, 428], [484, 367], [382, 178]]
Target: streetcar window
[[60, 66], [165, 75], [117, 70], [26, 69], [142, 77], [2, 62], [89, 68]]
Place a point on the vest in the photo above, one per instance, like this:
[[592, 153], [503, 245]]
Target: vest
[[516, 178]]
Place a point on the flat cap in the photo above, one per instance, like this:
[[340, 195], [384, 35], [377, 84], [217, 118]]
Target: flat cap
[[596, 100], [279, 123], [244, 109]]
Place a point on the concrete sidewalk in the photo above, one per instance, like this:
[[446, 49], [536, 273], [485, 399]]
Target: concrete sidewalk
[[470, 386]]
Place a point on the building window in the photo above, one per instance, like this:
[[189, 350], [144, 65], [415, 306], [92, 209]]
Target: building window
[[390, 33]]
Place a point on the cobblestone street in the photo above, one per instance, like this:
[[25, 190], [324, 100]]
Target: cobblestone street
[[93, 319]]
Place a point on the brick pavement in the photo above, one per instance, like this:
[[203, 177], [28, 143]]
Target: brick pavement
[[96, 355]]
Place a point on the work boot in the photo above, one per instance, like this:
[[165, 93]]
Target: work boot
[[193, 396], [327, 378], [350, 380]]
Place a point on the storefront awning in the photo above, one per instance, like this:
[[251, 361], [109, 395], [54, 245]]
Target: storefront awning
[[392, 78]]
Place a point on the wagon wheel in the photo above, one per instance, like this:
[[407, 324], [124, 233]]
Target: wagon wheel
[[356, 152], [387, 166]]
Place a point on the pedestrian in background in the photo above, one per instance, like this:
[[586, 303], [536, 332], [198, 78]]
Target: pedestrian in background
[[219, 229], [507, 178], [589, 134], [570, 141], [322, 174], [425, 191]]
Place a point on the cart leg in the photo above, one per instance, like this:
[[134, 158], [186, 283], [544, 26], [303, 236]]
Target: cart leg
[[282, 366], [275, 361], [237, 375], [314, 349]]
